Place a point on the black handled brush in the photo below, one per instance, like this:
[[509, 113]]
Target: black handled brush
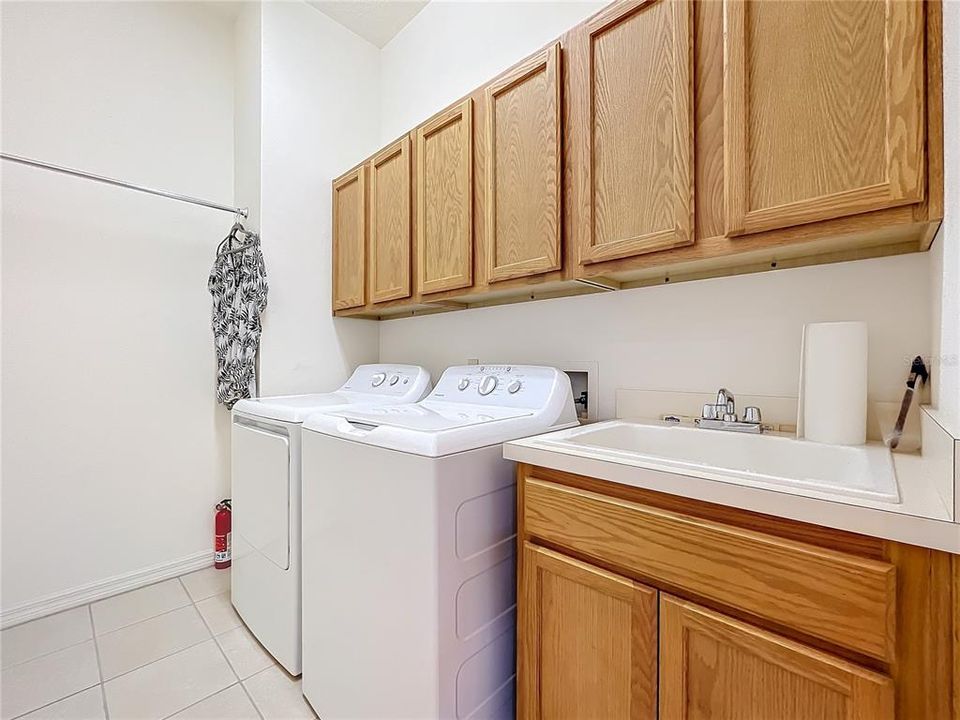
[[918, 371]]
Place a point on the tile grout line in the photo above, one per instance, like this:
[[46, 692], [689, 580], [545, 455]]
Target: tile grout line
[[96, 650], [51, 652], [77, 692], [247, 691], [243, 687], [216, 642], [54, 702], [207, 697], [101, 684], [150, 617], [162, 657], [256, 708], [192, 604]]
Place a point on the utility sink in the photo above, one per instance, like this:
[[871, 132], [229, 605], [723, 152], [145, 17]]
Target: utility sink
[[771, 460]]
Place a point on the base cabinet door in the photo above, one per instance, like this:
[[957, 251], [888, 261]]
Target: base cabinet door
[[712, 666], [587, 644], [823, 109]]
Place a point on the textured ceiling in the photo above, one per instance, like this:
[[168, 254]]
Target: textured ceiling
[[374, 20]]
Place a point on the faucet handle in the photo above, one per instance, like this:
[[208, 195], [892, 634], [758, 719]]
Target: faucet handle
[[709, 412], [751, 414]]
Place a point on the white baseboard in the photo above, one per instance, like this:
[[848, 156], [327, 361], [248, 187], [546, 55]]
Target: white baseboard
[[75, 597]]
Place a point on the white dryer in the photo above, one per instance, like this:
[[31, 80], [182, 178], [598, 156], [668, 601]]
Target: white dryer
[[409, 535], [265, 479]]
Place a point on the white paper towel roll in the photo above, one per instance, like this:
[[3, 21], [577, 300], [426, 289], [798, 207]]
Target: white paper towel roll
[[833, 386]]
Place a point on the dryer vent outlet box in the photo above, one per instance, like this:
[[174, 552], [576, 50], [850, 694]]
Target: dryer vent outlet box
[[581, 392], [584, 380]]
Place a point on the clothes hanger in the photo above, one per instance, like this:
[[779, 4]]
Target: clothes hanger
[[226, 246]]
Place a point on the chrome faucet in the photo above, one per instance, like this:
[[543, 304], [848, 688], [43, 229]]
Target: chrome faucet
[[722, 415]]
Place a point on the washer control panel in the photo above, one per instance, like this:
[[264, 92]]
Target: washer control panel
[[387, 380], [504, 385]]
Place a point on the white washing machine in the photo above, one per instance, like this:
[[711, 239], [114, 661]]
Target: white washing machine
[[409, 535], [265, 475]]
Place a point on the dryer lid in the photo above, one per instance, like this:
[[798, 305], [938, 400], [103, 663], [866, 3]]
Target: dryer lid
[[293, 408], [383, 384]]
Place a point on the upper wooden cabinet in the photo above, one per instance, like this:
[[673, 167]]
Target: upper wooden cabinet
[[662, 141], [631, 129], [390, 226], [588, 642], [444, 182], [349, 239], [823, 109], [712, 666], [523, 177]]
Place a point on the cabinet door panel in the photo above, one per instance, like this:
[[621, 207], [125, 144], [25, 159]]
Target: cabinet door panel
[[828, 122], [634, 99], [523, 181], [712, 666], [588, 642], [390, 223], [349, 239], [445, 200]]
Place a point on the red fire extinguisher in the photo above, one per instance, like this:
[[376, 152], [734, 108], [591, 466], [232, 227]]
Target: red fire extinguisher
[[221, 537]]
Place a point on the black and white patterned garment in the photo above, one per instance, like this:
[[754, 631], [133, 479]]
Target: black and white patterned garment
[[238, 283]]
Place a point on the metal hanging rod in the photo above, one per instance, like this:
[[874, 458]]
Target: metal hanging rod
[[242, 212]]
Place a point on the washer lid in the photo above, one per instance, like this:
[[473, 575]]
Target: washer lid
[[429, 415]]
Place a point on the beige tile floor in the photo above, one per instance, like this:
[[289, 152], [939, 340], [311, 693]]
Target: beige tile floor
[[176, 649]]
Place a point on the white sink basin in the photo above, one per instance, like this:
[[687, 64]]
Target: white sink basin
[[774, 461]]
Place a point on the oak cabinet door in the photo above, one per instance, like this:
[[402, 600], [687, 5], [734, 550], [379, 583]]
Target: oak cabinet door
[[349, 239], [390, 236], [823, 109], [445, 200], [632, 104], [523, 179], [712, 666], [588, 642]]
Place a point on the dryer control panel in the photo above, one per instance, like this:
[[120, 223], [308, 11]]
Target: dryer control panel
[[517, 386], [388, 381]]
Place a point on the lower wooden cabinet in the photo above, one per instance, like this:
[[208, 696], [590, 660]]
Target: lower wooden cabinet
[[634, 604], [712, 666], [588, 641], [589, 644]]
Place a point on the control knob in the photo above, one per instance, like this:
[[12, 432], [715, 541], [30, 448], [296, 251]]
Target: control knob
[[514, 387], [394, 379], [377, 379], [488, 384], [463, 384]]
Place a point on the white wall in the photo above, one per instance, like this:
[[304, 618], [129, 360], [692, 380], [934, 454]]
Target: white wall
[[248, 59], [112, 442], [741, 332], [945, 256], [320, 114]]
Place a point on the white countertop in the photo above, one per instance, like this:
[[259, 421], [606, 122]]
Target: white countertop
[[923, 517]]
